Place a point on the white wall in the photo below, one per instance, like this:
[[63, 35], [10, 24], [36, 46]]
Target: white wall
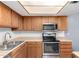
[[28, 33], [35, 33], [73, 30], [22, 33]]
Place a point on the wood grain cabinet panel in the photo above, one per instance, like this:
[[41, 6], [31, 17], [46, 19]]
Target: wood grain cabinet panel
[[19, 52], [20, 22], [36, 23], [65, 49], [27, 24], [34, 49], [0, 10], [5, 16], [8, 18], [52, 19], [45, 19], [62, 23], [14, 19]]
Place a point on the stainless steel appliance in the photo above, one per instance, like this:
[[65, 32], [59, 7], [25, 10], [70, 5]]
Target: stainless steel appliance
[[50, 43], [49, 26], [51, 48]]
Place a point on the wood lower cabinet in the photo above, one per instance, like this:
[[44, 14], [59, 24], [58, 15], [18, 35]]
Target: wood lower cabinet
[[19, 52], [14, 19], [65, 49], [34, 49], [30, 49], [5, 16]]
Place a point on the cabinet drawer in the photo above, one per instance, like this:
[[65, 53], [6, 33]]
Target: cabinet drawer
[[65, 50], [65, 46], [65, 56], [66, 53], [65, 43]]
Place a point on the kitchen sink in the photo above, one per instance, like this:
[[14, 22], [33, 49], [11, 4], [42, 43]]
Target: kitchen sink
[[10, 45], [17, 42]]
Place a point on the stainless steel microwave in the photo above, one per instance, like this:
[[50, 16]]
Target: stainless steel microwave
[[49, 26]]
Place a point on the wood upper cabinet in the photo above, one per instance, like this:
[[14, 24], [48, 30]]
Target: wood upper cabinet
[[45, 19], [19, 52], [27, 23], [36, 23], [0, 11], [5, 16], [14, 20], [62, 23], [34, 49], [20, 22], [52, 19]]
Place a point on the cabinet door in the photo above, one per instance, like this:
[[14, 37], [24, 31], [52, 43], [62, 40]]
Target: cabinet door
[[62, 23], [45, 19], [5, 17], [14, 20], [27, 23], [34, 50], [65, 49], [0, 11], [36, 23], [20, 23], [52, 19], [19, 52]]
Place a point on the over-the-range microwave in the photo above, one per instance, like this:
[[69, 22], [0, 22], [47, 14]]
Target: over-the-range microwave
[[49, 26]]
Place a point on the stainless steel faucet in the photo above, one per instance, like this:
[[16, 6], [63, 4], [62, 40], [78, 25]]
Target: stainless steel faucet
[[5, 43]]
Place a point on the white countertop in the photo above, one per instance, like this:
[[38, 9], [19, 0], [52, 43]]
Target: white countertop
[[4, 53], [63, 39], [25, 39]]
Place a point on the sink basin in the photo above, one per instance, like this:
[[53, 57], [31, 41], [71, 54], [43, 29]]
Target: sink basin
[[10, 45], [17, 42]]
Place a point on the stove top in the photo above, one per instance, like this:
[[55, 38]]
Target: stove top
[[50, 40]]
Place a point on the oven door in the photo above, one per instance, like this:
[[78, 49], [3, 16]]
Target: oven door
[[51, 48]]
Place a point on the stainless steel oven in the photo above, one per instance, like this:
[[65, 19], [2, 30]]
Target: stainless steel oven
[[51, 45], [51, 48]]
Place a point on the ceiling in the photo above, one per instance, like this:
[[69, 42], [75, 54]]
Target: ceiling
[[43, 7]]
